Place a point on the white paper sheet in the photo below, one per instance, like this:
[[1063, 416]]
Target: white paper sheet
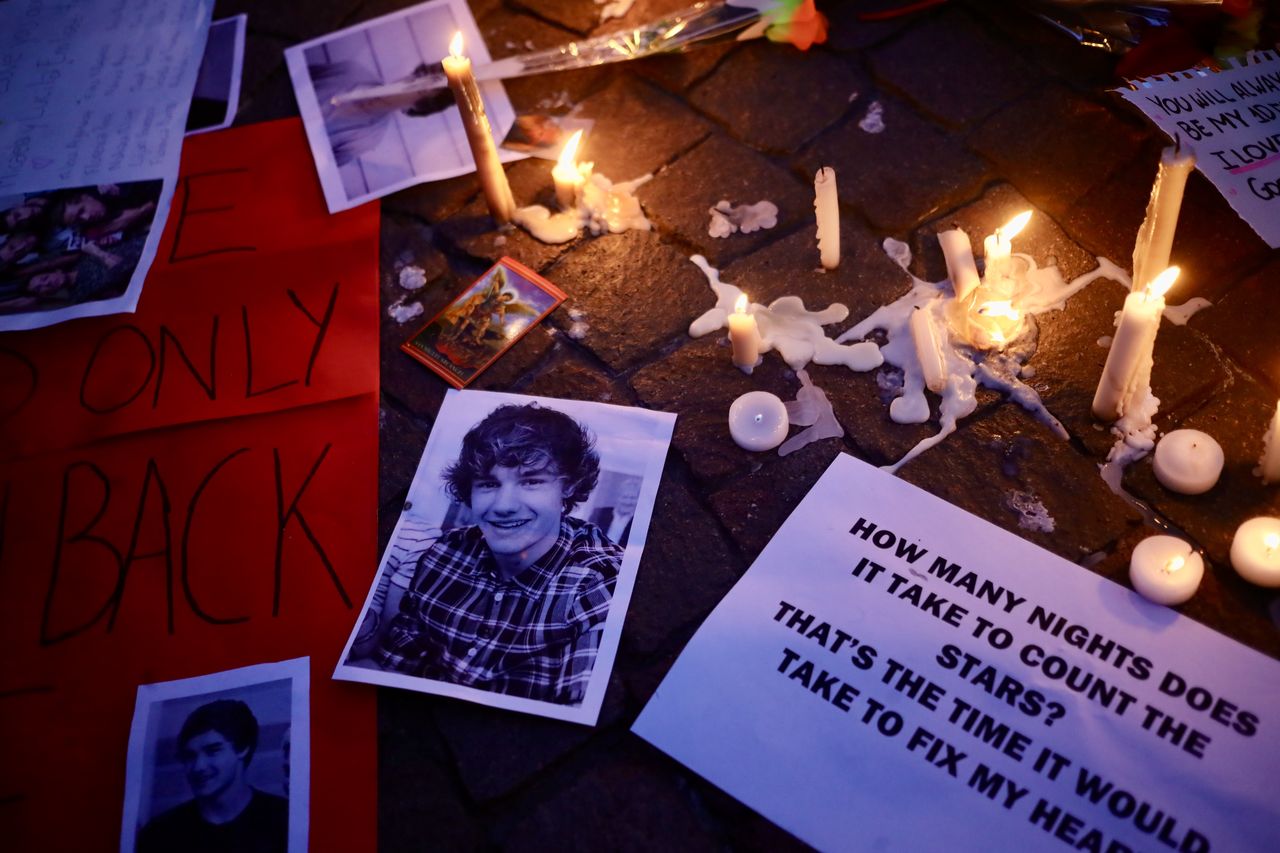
[[217, 92], [1231, 119], [360, 157], [875, 732], [92, 93]]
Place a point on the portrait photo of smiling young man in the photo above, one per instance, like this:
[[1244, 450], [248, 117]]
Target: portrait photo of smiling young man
[[497, 585]]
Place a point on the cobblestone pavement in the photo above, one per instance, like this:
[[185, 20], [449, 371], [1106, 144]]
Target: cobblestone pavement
[[986, 112]]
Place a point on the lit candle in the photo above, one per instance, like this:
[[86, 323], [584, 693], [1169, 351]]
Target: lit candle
[[999, 246], [961, 269], [758, 421], [1155, 237], [744, 335], [994, 324], [1166, 570], [928, 351], [826, 204], [1255, 551], [569, 175], [497, 192], [1188, 461], [1128, 366], [1270, 460]]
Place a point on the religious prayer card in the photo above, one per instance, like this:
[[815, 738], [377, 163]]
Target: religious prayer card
[[95, 97], [366, 150], [181, 747], [509, 572], [894, 673], [1231, 119]]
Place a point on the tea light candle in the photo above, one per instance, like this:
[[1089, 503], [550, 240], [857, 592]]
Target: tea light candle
[[1128, 364], [1270, 460], [1255, 551], [1188, 461], [827, 207], [744, 335], [758, 421], [1155, 237], [568, 175], [1166, 570], [928, 351], [493, 180], [961, 269]]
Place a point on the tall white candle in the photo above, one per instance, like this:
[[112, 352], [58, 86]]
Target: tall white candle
[[1128, 366], [827, 206], [1255, 551], [493, 180], [568, 175], [1155, 237], [1271, 450], [744, 335], [928, 351], [961, 269]]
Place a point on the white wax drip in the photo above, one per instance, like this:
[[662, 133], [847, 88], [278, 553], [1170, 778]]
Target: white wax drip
[[727, 218], [614, 8], [402, 312], [786, 326], [873, 121], [813, 410], [1178, 315], [413, 278], [603, 207], [1032, 514]]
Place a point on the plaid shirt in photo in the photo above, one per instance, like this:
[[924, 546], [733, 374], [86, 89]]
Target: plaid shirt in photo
[[534, 636]]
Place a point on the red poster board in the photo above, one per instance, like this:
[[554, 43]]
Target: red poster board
[[193, 488]]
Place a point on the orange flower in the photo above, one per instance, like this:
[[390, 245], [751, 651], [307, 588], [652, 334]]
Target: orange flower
[[798, 22]]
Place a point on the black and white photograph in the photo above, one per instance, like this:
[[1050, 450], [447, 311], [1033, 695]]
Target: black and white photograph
[[221, 762], [507, 577], [368, 148], [217, 93], [70, 247]]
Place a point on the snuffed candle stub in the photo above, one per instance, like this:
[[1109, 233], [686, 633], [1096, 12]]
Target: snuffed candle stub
[[1188, 461], [1255, 551], [758, 421], [1166, 570]]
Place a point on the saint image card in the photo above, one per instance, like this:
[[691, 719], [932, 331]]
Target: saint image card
[[220, 759], [484, 321], [509, 572]]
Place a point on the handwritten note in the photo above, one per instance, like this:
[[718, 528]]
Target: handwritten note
[[1232, 121], [894, 673], [193, 488]]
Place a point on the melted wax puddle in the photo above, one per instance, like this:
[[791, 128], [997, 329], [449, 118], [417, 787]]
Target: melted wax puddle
[[604, 207]]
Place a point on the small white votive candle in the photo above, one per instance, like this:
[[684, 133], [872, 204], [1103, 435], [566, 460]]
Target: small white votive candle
[[1188, 461], [758, 421], [1255, 551], [1166, 570], [744, 335]]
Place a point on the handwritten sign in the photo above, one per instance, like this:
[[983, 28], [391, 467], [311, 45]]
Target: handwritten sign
[[192, 488], [1232, 121], [895, 673]]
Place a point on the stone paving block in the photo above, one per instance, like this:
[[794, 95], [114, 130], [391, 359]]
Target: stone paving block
[[968, 74], [621, 798], [579, 17], [753, 507], [679, 198], [1042, 239], [497, 751], [1243, 323], [436, 201], [510, 34], [1237, 418], [1213, 245], [619, 320], [1055, 146], [281, 20], [567, 375], [1022, 467], [271, 98], [420, 797], [698, 382], [401, 440], [473, 231], [770, 98], [687, 567], [677, 72], [745, 828], [900, 176], [848, 31], [1036, 41], [638, 128]]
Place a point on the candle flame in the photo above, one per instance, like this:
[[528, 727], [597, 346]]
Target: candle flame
[[740, 307], [999, 309], [1014, 226], [1175, 564], [1162, 283], [569, 154], [455, 46], [1272, 541]]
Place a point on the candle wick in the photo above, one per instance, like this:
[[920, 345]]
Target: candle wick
[[759, 418]]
